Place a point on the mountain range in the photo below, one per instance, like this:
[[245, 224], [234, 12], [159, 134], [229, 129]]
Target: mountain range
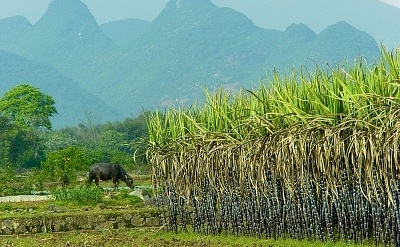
[[373, 16], [121, 68]]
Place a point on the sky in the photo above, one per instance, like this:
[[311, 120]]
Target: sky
[[112, 10], [395, 3], [102, 10]]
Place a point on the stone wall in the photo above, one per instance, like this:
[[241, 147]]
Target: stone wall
[[81, 221]]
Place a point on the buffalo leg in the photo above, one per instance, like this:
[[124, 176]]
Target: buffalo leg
[[90, 178], [96, 181], [115, 181]]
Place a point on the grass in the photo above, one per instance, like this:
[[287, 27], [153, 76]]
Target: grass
[[131, 237], [111, 202], [153, 237], [82, 195], [76, 200], [142, 179], [22, 209]]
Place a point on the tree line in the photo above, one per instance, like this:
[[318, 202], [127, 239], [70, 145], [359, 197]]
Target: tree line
[[27, 140]]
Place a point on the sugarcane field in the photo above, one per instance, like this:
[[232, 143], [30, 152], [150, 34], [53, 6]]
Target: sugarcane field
[[312, 156]]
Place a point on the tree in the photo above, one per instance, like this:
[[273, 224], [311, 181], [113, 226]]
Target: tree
[[18, 147], [27, 110], [28, 107], [6, 131]]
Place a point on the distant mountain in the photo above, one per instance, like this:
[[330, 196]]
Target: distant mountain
[[12, 28], [191, 44], [72, 102], [344, 38], [372, 16], [297, 35], [68, 38], [125, 31]]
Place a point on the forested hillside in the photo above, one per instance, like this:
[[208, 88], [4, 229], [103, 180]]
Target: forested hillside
[[198, 45]]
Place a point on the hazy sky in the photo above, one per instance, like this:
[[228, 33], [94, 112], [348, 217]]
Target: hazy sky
[[102, 10], [122, 9], [395, 3], [111, 10]]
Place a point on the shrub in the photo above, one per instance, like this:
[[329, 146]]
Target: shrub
[[12, 183], [62, 165]]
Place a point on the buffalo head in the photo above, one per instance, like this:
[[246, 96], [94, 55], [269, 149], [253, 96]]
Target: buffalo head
[[129, 181]]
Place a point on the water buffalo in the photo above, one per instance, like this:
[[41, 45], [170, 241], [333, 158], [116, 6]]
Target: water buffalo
[[107, 171]]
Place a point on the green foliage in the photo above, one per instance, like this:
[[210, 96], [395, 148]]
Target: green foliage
[[12, 183], [28, 107], [6, 178], [24, 111], [18, 148], [355, 90], [64, 164], [6, 207], [123, 195], [57, 140], [36, 179], [117, 142], [80, 195], [24, 150], [135, 135], [6, 136], [160, 237], [111, 140]]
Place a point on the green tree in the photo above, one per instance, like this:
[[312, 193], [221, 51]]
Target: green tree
[[24, 110], [28, 107], [56, 140]]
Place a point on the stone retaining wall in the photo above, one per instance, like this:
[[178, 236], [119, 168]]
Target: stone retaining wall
[[65, 223]]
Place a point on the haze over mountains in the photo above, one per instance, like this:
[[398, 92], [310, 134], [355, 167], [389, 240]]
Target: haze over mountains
[[375, 17], [118, 69], [72, 102]]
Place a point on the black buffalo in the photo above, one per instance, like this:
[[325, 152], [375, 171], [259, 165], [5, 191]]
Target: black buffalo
[[107, 171]]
